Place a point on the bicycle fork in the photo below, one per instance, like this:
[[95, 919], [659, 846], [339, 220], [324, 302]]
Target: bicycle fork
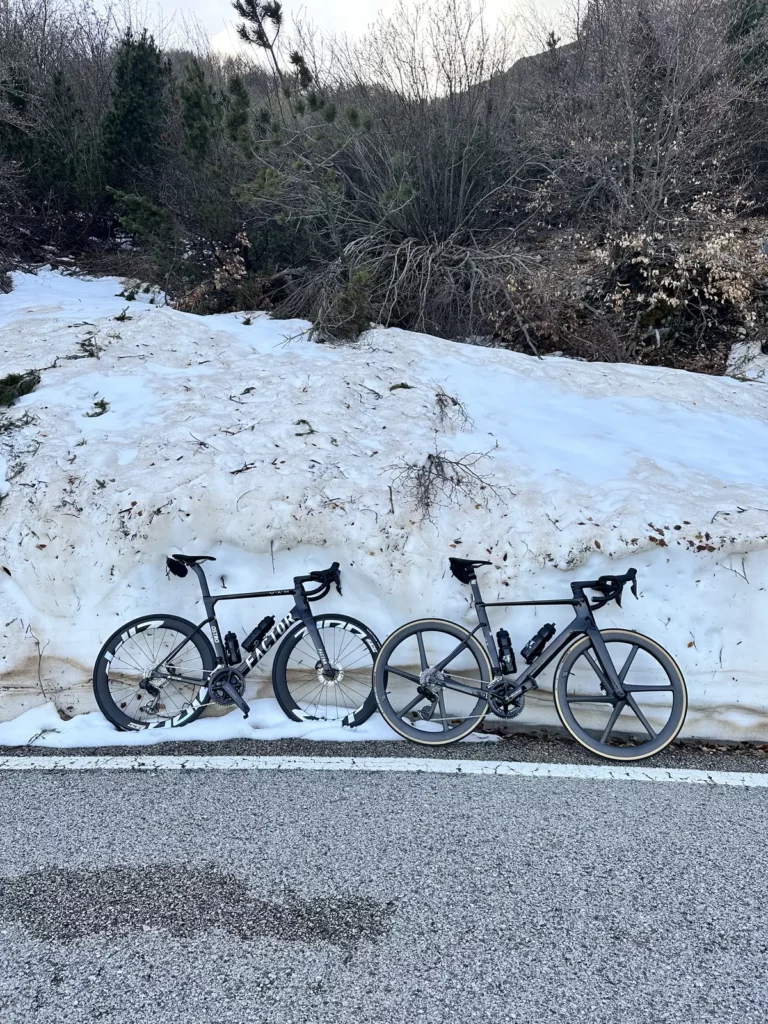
[[605, 669]]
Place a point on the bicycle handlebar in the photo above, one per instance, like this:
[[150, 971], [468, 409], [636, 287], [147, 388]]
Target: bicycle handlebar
[[611, 587], [325, 577]]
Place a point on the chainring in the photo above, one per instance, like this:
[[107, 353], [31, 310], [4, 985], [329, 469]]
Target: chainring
[[225, 675], [507, 711]]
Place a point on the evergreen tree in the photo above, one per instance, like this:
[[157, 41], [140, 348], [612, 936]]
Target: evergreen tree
[[133, 129], [201, 111], [262, 21], [238, 112], [149, 224]]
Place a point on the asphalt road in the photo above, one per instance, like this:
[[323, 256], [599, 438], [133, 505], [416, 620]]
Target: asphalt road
[[291, 897], [519, 746]]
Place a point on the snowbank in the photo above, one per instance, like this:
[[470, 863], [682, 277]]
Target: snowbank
[[250, 443], [43, 727]]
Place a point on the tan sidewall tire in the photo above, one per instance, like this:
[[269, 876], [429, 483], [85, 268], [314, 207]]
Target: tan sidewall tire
[[440, 625], [627, 635]]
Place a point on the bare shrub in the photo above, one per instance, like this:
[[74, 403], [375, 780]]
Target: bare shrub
[[636, 121], [443, 479], [387, 167], [450, 289], [451, 411], [674, 299]]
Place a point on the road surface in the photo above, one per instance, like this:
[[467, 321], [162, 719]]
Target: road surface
[[253, 897]]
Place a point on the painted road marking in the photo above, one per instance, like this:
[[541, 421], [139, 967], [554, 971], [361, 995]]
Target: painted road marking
[[434, 766]]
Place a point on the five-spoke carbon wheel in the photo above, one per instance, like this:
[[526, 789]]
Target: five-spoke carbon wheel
[[641, 724], [306, 693], [153, 673], [421, 706]]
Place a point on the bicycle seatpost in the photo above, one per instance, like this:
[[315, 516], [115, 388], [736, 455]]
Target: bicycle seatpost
[[200, 573]]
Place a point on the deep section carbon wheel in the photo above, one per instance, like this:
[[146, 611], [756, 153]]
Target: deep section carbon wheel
[[303, 690], [152, 673], [412, 677], [638, 726]]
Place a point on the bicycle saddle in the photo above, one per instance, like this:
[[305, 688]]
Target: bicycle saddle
[[193, 559], [464, 568]]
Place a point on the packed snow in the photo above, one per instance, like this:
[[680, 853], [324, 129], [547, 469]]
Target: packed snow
[[43, 727], [239, 437]]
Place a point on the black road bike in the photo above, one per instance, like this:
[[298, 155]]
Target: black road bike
[[160, 671], [617, 692]]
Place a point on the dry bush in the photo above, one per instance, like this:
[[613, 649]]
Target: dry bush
[[637, 120], [451, 411], [667, 299], [446, 288], [387, 168], [443, 479]]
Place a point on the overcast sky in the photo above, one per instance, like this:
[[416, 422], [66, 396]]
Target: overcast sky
[[218, 18]]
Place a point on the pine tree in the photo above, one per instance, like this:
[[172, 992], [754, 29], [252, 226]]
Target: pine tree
[[262, 21], [148, 223], [201, 111], [238, 112], [133, 129]]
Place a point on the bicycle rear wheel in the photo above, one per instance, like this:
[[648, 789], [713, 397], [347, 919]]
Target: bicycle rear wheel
[[422, 708], [138, 685], [646, 721]]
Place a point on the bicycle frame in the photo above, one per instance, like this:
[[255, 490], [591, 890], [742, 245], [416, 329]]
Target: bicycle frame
[[299, 613], [582, 625]]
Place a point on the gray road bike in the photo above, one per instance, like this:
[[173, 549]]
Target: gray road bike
[[617, 692]]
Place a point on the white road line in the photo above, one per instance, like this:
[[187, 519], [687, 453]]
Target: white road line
[[519, 769]]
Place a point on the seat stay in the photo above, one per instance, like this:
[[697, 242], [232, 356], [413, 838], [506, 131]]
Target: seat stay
[[182, 645], [440, 667]]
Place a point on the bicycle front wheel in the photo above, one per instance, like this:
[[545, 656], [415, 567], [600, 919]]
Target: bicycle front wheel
[[153, 673], [423, 707], [648, 718], [302, 689]]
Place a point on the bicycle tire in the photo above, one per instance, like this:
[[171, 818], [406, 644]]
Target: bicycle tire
[[106, 661], [303, 695], [383, 667], [601, 747]]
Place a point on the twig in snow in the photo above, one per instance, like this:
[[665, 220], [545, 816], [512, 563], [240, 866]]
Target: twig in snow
[[449, 407], [202, 444], [249, 491], [742, 574], [40, 652]]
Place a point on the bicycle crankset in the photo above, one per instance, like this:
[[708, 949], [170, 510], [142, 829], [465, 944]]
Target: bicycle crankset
[[506, 709], [227, 686]]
